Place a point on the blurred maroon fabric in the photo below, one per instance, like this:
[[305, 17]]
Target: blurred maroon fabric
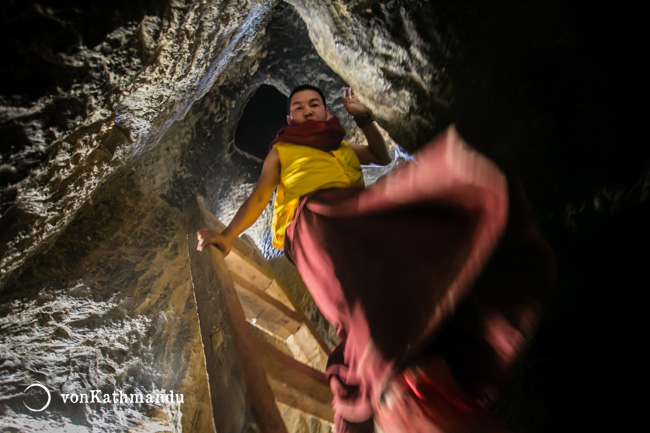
[[396, 268]]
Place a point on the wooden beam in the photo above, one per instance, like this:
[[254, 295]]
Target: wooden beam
[[306, 348], [292, 327], [237, 381], [264, 314], [248, 270], [295, 383], [269, 300], [252, 277]]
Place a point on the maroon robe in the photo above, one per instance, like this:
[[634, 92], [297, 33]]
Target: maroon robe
[[425, 342]]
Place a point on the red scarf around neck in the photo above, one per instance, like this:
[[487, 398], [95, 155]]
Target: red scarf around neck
[[325, 136]]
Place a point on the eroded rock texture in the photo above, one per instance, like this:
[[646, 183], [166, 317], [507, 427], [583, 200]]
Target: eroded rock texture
[[111, 115], [108, 308]]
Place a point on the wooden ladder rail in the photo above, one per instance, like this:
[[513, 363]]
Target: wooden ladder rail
[[246, 374]]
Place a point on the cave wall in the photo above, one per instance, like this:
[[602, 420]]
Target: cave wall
[[109, 307], [141, 98], [125, 93]]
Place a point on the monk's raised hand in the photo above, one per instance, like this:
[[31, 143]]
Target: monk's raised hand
[[352, 104]]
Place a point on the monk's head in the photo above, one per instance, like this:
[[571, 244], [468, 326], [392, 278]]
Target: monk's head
[[306, 103]]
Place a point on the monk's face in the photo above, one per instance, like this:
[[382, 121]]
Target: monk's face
[[306, 105]]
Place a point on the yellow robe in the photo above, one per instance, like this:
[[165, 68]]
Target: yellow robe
[[304, 170]]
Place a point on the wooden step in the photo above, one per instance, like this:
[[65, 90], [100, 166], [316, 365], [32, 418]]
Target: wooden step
[[296, 384]]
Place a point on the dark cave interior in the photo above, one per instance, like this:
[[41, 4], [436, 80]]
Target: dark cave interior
[[263, 115]]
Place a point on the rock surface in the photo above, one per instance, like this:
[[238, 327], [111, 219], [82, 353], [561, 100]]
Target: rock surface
[[130, 88], [110, 308]]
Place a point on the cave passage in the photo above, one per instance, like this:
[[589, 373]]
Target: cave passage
[[264, 114]]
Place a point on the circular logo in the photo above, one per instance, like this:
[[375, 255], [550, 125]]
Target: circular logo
[[47, 391]]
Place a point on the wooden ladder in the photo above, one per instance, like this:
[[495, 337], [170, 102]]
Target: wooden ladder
[[247, 374]]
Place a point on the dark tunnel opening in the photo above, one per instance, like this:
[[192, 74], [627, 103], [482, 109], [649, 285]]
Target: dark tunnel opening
[[263, 116]]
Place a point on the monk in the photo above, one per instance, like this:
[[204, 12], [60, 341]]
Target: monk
[[306, 104], [433, 276]]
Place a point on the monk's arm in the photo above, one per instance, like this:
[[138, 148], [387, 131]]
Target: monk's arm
[[250, 211], [376, 151]]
